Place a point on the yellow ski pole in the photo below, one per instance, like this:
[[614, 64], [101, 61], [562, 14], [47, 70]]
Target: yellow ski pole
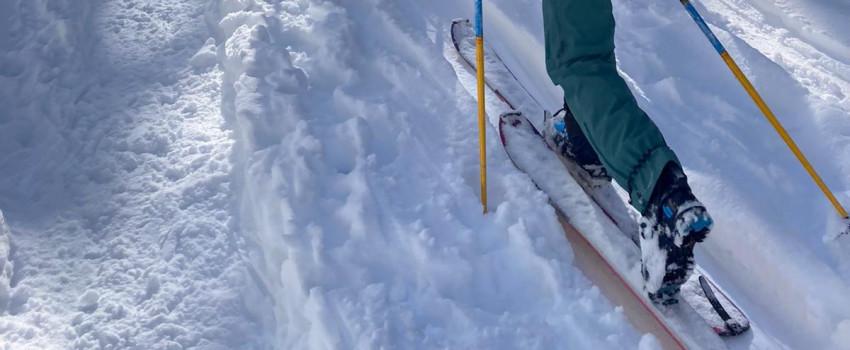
[[751, 90], [482, 135]]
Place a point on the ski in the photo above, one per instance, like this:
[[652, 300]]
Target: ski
[[702, 296], [733, 325], [529, 152]]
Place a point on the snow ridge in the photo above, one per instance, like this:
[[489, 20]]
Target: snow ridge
[[358, 190]]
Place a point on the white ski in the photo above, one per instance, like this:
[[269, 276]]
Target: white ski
[[599, 213]]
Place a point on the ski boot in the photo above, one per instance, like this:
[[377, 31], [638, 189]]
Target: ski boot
[[563, 135], [673, 223]]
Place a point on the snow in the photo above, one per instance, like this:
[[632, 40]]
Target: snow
[[362, 209], [116, 182], [245, 174], [648, 342], [5, 265]]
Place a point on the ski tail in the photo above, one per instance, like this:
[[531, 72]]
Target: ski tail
[[732, 325]]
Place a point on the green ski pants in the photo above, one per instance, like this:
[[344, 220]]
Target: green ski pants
[[580, 58]]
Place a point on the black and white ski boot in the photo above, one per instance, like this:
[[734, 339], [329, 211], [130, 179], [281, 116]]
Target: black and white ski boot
[[563, 135], [674, 222]]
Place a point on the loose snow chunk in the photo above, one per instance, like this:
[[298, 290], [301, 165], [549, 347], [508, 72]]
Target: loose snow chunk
[[205, 57], [88, 302], [649, 342]]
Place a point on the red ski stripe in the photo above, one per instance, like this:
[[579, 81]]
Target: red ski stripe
[[643, 302], [567, 226]]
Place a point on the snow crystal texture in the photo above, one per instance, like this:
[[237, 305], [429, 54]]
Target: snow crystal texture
[[258, 174]]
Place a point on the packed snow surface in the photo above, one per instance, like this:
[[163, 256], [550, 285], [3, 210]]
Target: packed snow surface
[[258, 174]]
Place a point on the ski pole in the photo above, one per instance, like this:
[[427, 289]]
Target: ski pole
[[482, 135], [751, 90]]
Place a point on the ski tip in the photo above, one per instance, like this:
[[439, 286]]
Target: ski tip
[[513, 118], [734, 328], [732, 325], [516, 120], [461, 27], [731, 329]]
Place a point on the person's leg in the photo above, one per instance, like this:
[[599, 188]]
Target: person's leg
[[580, 58]]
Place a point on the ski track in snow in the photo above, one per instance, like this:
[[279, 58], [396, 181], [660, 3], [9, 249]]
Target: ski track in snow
[[246, 174]]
